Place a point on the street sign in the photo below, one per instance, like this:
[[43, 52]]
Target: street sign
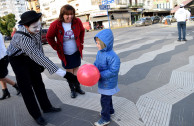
[[104, 7], [104, 2]]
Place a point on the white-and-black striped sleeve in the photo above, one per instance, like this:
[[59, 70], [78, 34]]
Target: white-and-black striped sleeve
[[32, 47]]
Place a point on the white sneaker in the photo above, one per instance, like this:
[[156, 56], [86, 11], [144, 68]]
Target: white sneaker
[[101, 122]]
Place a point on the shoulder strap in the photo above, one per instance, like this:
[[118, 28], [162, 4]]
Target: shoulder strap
[[23, 33]]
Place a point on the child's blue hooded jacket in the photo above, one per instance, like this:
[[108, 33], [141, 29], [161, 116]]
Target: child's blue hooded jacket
[[107, 61]]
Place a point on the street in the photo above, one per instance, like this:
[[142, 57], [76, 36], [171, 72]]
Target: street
[[156, 82]]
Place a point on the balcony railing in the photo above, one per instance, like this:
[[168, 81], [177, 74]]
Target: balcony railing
[[136, 5]]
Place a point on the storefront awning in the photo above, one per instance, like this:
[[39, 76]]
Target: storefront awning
[[157, 10], [177, 7], [104, 18]]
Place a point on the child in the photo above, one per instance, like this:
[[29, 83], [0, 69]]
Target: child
[[108, 64]]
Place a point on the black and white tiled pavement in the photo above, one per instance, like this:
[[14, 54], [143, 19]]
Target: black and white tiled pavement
[[156, 79]]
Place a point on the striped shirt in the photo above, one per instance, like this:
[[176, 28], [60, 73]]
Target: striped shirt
[[32, 47]]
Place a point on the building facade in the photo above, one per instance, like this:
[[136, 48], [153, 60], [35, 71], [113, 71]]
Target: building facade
[[119, 12], [16, 7], [33, 5], [158, 7], [50, 10]]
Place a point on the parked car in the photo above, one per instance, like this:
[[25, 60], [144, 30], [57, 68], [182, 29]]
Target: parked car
[[170, 17], [192, 18], [87, 26], [143, 21], [43, 36], [155, 19]]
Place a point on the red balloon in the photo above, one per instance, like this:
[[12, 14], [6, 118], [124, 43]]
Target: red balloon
[[88, 75]]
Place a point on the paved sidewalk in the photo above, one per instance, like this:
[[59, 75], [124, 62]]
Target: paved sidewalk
[[84, 110], [169, 104]]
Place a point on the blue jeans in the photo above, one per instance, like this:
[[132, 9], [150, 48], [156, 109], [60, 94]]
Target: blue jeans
[[107, 107], [181, 26]]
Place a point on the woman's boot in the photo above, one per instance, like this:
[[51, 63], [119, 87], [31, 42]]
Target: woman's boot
[[78, 88], [73, 92], [17, 89], [5, 94]]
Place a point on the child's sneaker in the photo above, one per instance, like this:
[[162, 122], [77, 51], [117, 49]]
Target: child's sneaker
[[101, 122]]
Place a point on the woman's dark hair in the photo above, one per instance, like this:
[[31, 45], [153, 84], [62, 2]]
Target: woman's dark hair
[[66, 9]]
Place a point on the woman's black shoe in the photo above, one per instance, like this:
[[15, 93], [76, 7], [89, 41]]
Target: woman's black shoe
[[78, 88], [41, 121], [5, 94], [73, 94], [52, 109]]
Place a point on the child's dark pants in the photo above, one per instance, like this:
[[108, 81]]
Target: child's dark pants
[[107, 107]]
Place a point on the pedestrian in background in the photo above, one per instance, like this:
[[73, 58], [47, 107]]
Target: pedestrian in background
[[4, 71], [108, 63], [69, 32], [28, 61], [182, 16]]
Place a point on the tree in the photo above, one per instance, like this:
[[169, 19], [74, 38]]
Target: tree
[[7, 23]]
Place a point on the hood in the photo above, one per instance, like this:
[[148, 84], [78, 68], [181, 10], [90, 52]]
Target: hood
[[106, 36]]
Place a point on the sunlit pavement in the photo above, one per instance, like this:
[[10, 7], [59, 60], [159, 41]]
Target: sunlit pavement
[[156, 81]]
